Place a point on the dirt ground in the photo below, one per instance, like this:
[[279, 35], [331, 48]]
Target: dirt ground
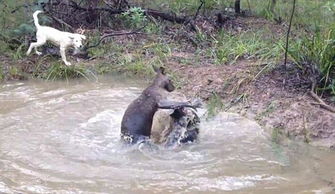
[[285, 110], [278, 99]]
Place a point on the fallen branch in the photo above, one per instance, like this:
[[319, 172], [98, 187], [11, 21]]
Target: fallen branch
[[154, 13], [61, 22], [115, 34], [106, 9], [166, 16], [42, 4], [321, 103]]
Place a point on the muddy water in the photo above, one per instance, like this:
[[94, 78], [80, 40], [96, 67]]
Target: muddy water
[[63, 137]]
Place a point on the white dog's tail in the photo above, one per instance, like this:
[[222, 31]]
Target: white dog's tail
[[36, 18]]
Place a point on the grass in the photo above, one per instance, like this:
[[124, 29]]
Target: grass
[[214, 105], [139, 67], [268, 111], [224, 47], [316, 53], [2, 75], [312, 48], [4, 47], [277, 134], [103, 67], [310, 13], [58, 71], [228, 48]]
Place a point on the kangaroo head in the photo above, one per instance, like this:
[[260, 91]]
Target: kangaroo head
[[162, 80]]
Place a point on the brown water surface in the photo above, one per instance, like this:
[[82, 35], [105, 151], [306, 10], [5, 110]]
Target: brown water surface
[[59, 137]]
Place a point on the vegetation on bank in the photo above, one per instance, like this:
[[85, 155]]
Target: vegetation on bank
[[311, 49]]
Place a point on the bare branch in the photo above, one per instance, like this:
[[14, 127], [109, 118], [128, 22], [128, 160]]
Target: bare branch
[[137, 31], [198, 10], [321, 103], [288, 32], [62, 22]]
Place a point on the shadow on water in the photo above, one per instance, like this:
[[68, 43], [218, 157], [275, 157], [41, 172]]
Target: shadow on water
[[64, 137]]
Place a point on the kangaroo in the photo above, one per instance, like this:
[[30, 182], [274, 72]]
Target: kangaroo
[[137, 120]]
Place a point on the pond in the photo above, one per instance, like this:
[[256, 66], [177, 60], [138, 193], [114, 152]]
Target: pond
[[64, 137]]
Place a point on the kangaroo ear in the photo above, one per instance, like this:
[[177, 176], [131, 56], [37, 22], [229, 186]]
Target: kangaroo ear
[[162, 70], [159, 70]]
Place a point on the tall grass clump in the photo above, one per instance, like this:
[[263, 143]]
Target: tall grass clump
[[318, 52], [58, 71], [310, 14], [2, 75], [214, 105], [228, 48]]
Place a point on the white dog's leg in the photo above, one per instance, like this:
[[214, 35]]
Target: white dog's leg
[[62, 53], [34, 45]]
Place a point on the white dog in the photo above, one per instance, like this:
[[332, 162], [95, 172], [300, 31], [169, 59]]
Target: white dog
[[62, 39]]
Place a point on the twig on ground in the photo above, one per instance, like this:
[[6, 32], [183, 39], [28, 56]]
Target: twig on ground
[[321, 103], [166, 16]]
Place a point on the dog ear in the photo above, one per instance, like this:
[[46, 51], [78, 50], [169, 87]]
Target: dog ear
[[83, 37], [73, 36]]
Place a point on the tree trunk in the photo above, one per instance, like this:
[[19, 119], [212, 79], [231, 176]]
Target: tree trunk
[[237, 6]]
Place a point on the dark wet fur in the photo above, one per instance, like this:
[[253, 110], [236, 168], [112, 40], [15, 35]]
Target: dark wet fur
[[137, 120], [183, 129]]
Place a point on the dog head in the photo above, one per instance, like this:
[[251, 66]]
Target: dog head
[[162, 80], [77, 40]]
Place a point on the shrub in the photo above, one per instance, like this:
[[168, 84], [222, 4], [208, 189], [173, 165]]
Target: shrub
[[135, 17]]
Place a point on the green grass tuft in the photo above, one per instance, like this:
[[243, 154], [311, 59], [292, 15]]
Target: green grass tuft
[[214, 105], [2, 75], [317, 52], [59, 71], [229, 48]]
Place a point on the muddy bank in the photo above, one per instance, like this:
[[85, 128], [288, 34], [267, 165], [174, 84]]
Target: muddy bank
[[285, 109]]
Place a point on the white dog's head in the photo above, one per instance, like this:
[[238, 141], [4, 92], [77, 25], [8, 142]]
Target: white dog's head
[[77, 40]]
